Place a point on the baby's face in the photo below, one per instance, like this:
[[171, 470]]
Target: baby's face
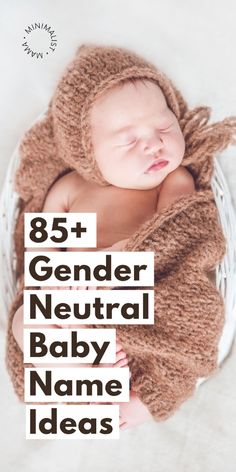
[[132, 127]]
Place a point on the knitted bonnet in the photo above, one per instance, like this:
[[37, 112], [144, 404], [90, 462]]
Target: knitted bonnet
[[62, 139], [94, 72]]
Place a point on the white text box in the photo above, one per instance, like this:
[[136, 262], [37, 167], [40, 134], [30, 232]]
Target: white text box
[[89, 269], [65, 345], [106, 306], [68, 384], [60, 230], [83, 422]]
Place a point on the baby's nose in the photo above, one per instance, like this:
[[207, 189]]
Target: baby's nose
[[153, 145]]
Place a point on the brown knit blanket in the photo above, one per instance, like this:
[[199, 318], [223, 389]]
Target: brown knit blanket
[[167, 358]]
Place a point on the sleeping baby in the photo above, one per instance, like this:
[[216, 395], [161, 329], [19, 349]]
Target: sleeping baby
[[138, 146]]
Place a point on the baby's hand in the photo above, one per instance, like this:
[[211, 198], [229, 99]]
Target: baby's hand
[[121, 359], [132, 413]]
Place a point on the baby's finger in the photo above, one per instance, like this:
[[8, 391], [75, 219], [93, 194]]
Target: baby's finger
[[121, 363], [77, 287], [124, 425], [84, 287], [119, 347], [46, 287], [100, 403], [120, 355]]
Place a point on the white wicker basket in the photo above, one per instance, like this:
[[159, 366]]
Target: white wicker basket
[[225, 272]]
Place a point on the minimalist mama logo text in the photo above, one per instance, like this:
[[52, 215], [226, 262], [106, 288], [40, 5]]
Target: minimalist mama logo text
[[39, 40]]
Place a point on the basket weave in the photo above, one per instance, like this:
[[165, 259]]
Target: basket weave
[[225, 274]]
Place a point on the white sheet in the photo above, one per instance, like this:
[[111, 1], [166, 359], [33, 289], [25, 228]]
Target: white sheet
[[193, 42]]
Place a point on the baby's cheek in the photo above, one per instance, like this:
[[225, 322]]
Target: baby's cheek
[[182, 145], [177, 149], [179, 139]]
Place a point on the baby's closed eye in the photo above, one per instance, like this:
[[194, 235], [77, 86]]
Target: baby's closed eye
[[164, 130], [133, 140]]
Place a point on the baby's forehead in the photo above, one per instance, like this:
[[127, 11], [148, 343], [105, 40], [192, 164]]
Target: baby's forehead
[[128, 98], [132, 86], [137, 83]]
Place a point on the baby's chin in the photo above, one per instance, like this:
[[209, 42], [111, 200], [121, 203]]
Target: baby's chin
[[152, 180], [141, 185]]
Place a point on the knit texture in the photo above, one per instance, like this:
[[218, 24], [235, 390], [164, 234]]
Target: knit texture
[[168, 357]]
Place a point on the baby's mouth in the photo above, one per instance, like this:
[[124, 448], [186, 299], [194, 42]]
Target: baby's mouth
[[156, 165]]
